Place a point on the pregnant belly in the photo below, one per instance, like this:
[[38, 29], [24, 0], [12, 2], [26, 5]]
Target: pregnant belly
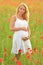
[[21, 33], [24, 33]]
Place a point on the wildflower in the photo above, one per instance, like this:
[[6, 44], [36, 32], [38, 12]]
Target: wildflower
[[41, 37], [20, 50], [1, 60], [5, 54], [36, 50], [9, 36], [4, 49], [13, 58], [28, 55], [18, 62]]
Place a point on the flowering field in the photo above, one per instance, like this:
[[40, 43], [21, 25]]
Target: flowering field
[[7, 9]]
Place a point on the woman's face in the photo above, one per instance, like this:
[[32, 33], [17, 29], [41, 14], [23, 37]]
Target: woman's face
[[21, 9]]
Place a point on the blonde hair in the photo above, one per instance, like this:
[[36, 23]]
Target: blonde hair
[[26, 14]]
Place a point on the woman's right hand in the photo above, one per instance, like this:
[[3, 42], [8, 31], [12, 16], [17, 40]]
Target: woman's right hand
[[23, 28]]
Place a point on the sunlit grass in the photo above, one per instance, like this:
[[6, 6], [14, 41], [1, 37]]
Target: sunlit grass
[[36, 26]]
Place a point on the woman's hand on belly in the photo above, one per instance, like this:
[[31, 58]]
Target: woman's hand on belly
[[24, 28], [25, 38]]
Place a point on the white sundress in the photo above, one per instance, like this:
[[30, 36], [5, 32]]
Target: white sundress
[[17, 42]]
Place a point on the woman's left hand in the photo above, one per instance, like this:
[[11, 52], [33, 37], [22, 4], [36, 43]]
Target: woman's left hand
[[25, 38]]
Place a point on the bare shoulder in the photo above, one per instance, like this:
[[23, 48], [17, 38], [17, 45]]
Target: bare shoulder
[[13, 18], [26, 21], [12, 21]]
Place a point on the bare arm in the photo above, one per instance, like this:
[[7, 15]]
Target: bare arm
[[29, 32], [12, 22]]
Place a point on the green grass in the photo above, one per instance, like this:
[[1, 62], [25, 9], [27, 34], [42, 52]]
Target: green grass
[[5, 42]]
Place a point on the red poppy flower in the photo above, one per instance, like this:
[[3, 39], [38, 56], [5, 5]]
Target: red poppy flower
[[20, 50], [28, 56], [18, 62], [13, 58], [4, 49], [9, 36], [36, 50], [1, 60], [5, 54], [41, 37], [42, 46]]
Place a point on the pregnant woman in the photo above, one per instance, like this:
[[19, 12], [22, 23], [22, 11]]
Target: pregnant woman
[[19, 24]]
